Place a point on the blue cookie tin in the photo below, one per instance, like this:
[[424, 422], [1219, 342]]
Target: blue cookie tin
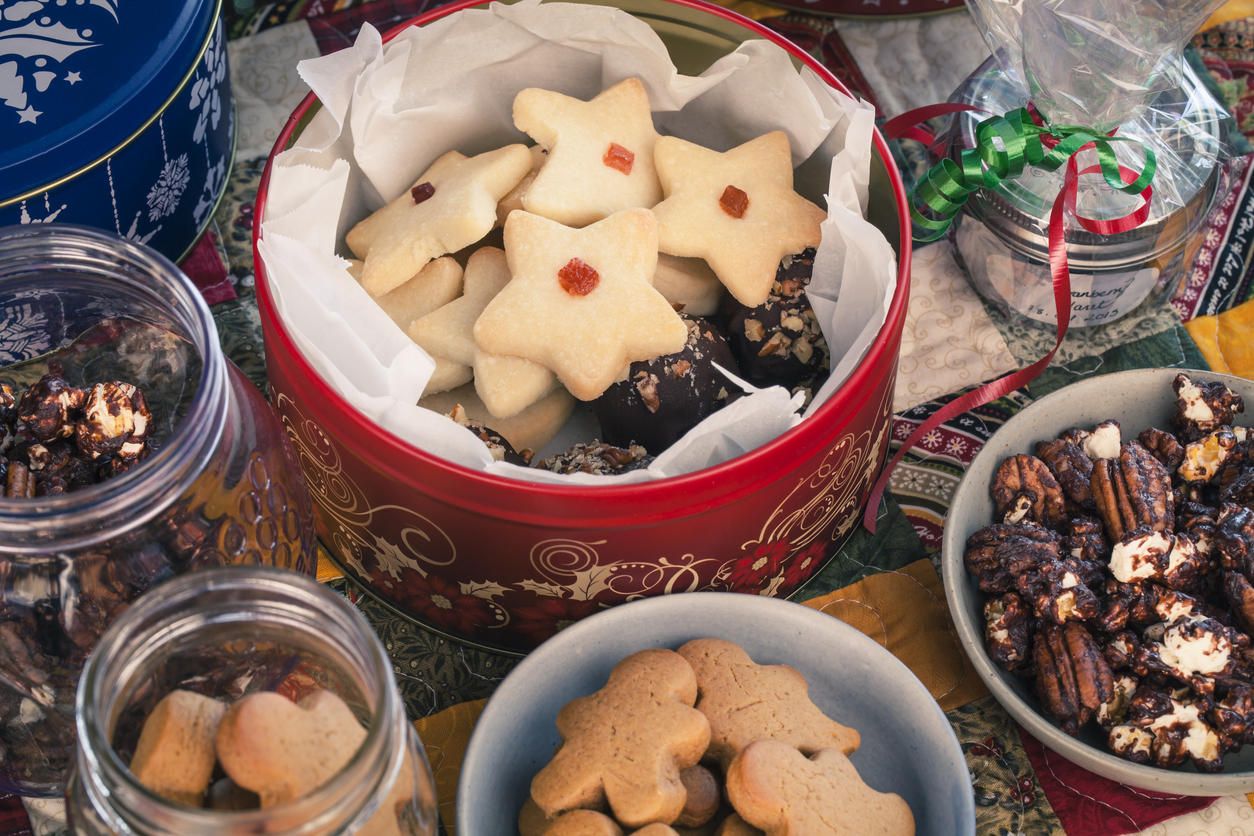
[[115, 114]]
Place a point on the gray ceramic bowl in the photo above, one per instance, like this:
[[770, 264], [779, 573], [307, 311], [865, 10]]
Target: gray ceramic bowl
[[1136, 399], [908, 747]]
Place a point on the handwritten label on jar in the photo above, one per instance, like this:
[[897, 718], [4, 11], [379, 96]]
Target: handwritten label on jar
[[1095, 298]]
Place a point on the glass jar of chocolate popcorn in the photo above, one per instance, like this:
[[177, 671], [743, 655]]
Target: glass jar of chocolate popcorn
[[245, 701], [131, 451]]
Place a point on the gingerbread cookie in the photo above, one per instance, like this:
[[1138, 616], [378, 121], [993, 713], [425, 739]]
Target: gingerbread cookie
[[283, 750], [583, 823], [174, 756], [580, 302], [600, 158], [737, 210], [776, 788], [432, 287], [745, 702], [704, 796], [734, 825], [627, 743], [507, 385], [452, 205]]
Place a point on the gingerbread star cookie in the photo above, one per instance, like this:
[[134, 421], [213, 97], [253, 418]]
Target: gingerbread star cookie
[[627, 743], [745, 702], [507, 385], [452, 205], [580, 302], [737, 210], [600, 158], [776, 788]]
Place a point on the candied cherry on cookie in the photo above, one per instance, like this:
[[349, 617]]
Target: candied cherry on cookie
[[736, 209], [585, 323], [451, 205], [600, 153]]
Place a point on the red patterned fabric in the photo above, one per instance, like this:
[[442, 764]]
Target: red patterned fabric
[[13, 818], [1088, 805], [204, 266]]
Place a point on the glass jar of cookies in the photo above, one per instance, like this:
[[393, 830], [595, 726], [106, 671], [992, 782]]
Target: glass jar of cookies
[[239, 701], [131, 451]]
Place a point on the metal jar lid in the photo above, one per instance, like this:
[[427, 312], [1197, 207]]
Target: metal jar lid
[[1186, 119], [80, 78]]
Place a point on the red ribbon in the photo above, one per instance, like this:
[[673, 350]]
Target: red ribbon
[[1065, 202]]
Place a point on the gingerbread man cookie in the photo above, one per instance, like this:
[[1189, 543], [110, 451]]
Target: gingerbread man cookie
[[627, 743], [745, 702], [737, 210], [451, 206], [776, 788], [580, 301], [600, 153]]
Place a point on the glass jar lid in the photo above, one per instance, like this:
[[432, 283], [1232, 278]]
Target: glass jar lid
[[1183, 125]]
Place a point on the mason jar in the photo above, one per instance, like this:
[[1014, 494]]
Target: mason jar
[[1002, 234], [225, 633], [220, 484]]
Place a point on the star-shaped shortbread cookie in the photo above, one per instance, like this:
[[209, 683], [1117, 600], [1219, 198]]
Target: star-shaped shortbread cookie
[[452, 205], [580, 301], [507, 385], [600, 158], [737, 210]]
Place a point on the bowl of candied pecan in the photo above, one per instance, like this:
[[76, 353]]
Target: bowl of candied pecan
[[1099, 564]]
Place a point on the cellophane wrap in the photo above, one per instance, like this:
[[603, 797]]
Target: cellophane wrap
[[1109, 66]]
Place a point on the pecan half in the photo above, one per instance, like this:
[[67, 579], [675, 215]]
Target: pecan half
[[1072, 469], [1163, 446], [1025, 544], [1131, 491], [1023, 473], [20, 482], [1073, 679]]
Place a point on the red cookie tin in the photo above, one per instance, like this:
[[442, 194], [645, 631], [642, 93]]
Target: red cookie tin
[[505, 563]]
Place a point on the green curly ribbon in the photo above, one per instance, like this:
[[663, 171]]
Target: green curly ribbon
[[948, 184]]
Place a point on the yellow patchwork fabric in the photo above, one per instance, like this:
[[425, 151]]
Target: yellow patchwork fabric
[[906, 612], [445, 736], [1224, 339]]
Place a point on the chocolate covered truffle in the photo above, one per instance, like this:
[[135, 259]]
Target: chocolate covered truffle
[[779, 342], [498, 446], [663, 398], [598, 458]]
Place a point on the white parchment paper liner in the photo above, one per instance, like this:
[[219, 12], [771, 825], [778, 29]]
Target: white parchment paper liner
[[389, 111]]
